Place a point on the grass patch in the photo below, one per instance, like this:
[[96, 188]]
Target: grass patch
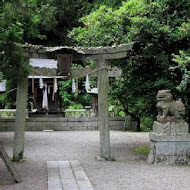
[[146, 129], [21, 161], [142, 150], [184, 165], [1, 183]]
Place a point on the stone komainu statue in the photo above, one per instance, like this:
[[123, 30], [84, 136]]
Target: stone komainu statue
[[168, 109]]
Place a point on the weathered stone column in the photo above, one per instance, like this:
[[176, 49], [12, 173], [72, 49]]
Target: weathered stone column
[[103, 118], [20, 121]]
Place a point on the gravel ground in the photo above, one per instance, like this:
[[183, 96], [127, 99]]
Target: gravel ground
[[129, 172]]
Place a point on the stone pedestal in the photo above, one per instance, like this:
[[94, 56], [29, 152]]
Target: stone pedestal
[[169, 144]]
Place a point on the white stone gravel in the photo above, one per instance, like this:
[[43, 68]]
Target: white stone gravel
[[130, 171]]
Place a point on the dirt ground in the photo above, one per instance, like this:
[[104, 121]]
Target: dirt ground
[[130, 171]]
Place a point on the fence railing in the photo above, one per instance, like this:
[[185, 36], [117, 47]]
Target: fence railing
[[10, 113], [7, 113], [78, 113]]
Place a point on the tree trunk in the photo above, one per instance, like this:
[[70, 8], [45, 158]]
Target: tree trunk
[[138, 124], [20, 121], [188, 103]]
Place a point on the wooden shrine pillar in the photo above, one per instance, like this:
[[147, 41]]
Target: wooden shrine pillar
[[20, 120], [103, 117], [95, 104]]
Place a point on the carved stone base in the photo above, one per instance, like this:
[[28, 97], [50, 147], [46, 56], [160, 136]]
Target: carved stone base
[[169, 144], [170, 128]]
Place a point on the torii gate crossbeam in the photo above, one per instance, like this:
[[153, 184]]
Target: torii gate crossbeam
[[99, 54]]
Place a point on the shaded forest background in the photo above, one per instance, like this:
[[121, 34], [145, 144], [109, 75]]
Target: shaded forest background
[[160, 59]]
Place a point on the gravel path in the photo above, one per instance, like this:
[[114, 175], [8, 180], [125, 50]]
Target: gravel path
[[129, 172]]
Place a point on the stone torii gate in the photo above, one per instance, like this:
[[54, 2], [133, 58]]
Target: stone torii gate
[[101, 55]]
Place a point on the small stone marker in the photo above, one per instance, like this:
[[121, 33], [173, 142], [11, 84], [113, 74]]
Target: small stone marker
[[67, 175], [9, 165]]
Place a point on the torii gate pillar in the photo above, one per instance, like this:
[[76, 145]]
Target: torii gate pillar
[[103, 117], [100, 54]]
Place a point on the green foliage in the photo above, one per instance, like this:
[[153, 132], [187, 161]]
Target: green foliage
[[66, 15], [33, 15], [1, 76], [159, 29], [10, 94], [19, 23], [102, 27], [182, 70], [146, 123], [2, 97], [76, 106], [65, 92], [142, 150], [73, 100], [183, 64], [115, 106], [111, 3], [36, 22]]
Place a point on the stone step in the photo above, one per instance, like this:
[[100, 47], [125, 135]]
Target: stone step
[[67, 175]]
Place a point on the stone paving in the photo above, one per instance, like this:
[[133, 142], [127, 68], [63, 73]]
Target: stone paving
[[67, 175]]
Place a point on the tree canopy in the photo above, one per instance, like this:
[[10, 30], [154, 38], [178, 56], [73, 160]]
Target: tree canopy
[[160, 30]]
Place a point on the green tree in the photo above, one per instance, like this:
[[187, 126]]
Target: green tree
[[183, 64], [31, 21], [77, 99], [19, 23], [159, 29], [183, 68]]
